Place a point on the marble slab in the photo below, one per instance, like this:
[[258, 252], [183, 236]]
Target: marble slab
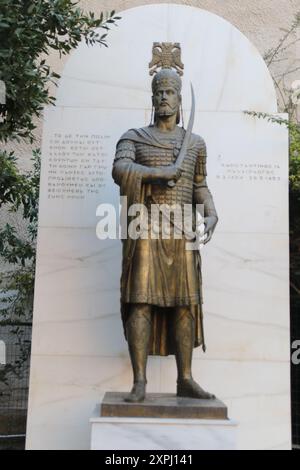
[[162, 434], [256, 394], [78, 350], [225, 68], [245, 281], [79, 147]]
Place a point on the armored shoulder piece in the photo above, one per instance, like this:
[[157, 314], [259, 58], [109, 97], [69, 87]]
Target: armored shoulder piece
[[200, 171], [125, 149]]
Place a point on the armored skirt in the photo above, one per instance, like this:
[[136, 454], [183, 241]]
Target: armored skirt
[[163, 273]]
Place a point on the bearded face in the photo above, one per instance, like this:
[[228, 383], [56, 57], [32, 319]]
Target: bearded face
[[166, 101]]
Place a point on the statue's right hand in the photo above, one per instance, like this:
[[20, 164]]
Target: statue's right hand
[[169, 173], [161, 175]]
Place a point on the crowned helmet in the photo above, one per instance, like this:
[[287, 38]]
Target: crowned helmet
[[166, 66]]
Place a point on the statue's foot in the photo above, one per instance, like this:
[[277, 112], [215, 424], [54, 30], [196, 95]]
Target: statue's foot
[[189, 388], [137, 393]]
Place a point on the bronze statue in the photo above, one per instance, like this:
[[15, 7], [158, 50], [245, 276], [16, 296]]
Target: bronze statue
[[161, 297]]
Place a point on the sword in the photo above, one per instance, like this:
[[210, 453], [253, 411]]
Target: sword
[[186, 139]]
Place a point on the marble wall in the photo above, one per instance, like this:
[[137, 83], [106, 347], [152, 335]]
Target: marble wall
[[78, 349]]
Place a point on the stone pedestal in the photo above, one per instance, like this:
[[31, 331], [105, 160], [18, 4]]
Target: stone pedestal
[[162, 422]]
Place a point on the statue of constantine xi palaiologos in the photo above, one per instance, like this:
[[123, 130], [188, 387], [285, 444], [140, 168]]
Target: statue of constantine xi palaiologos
[[163, 165]]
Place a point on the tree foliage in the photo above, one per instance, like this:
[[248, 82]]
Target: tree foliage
[[29, 30], [19, 251]]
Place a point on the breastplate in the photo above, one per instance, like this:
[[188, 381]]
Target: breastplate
[[182, 192]]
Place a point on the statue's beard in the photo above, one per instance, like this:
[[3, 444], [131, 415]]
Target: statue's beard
[[165, 111]]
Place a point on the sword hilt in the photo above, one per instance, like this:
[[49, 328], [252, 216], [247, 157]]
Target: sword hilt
[[171, 183]]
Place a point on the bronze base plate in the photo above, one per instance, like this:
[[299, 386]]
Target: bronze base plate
[[162, 405]]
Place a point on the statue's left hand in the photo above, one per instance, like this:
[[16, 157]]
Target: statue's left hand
[[210, 225]]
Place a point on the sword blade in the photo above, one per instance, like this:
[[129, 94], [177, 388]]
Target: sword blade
[[186, 139], [188, 132]]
